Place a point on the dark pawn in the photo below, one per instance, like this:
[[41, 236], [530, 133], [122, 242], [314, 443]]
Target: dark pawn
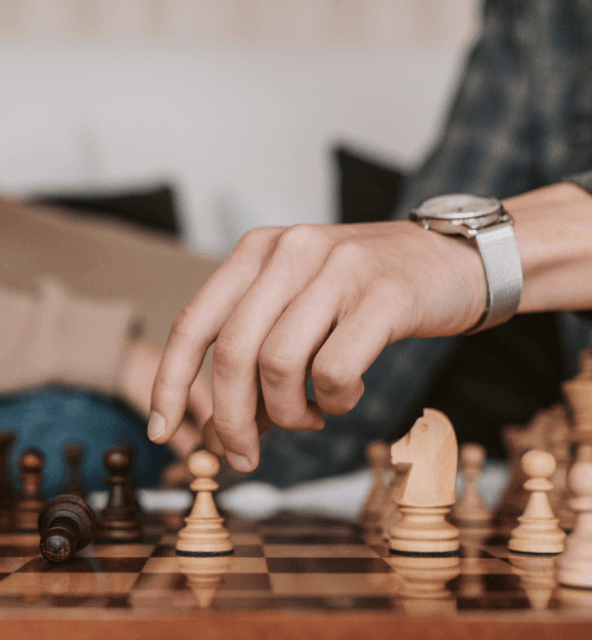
[[74, 456], [120, 520], [31, 500], [7, 495], [130, 487], [66, 525]]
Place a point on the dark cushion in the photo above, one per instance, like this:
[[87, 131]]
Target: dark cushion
[[153, 208], [368, 189]]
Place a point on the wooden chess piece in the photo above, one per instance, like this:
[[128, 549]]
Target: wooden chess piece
[[578, 393], [470, 509], [517, 441], [120, 520], [204, 534], [391, 514], [378, 456], [66, 525], [574, 567], [7, 496], [129, 487], [559, 444], [74, 456], [31, 500], [428, 454], [538, 531], [566, 514], [584, 452]]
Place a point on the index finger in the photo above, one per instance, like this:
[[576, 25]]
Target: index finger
[[196, 328]]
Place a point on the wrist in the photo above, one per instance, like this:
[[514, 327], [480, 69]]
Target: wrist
[[553, 228], [458, 285], [489, 227]]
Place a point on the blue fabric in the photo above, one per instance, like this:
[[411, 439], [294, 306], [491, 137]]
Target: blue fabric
[[50, 417]]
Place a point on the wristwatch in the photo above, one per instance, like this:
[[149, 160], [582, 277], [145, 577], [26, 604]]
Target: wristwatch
[[485, 221]]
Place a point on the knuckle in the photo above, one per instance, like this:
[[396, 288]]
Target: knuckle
[[274, 366], [329, 379], [347, 254], [226, 428], [254, 244], [182, 324], [252, 238], [229, 352], [299, 236], [256, 241]]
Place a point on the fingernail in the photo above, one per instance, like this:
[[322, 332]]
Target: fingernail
[[156, 426], [240, 463]]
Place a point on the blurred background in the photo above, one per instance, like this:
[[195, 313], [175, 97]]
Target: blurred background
[[243, 110]]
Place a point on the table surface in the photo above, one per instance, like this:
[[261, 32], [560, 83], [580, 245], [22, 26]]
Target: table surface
[[291, 576]]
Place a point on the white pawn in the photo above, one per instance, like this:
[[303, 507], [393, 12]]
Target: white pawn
[[378, 454], [204, 534], [470, 509], [538, 531], [391, 514], [574, 567]]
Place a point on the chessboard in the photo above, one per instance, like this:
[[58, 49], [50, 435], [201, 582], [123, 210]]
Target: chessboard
[[293, 575]]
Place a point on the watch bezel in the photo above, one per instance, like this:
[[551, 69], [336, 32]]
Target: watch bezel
[[466, 223]]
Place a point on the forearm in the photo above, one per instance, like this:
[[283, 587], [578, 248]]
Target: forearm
[[553, 229]]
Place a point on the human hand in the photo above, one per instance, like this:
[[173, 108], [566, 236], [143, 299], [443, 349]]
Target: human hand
[[309, 301], [137, 378]]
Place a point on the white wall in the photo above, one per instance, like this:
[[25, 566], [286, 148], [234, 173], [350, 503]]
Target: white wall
[[244, 130], [238, 102]]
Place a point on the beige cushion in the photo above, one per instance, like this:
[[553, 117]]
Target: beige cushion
[[100, 261]]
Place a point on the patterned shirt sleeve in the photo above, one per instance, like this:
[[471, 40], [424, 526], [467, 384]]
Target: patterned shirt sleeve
[[521, 117]]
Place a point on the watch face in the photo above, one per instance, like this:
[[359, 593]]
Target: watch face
[[458, 207]]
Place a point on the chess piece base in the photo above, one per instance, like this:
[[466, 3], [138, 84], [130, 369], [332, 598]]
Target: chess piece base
[[124, 531], [575, 574], [203, 537], [541, 536], [423, 531]]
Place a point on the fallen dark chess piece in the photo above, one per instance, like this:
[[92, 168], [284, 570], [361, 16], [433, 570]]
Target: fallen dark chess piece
[[66, 525]]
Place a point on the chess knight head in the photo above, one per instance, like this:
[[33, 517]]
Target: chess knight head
[[428, 456]]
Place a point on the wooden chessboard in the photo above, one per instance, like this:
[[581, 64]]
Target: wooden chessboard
[[291, 576]]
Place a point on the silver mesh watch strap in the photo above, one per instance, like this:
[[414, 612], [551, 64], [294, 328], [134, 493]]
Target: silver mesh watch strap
[[503, 271]]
